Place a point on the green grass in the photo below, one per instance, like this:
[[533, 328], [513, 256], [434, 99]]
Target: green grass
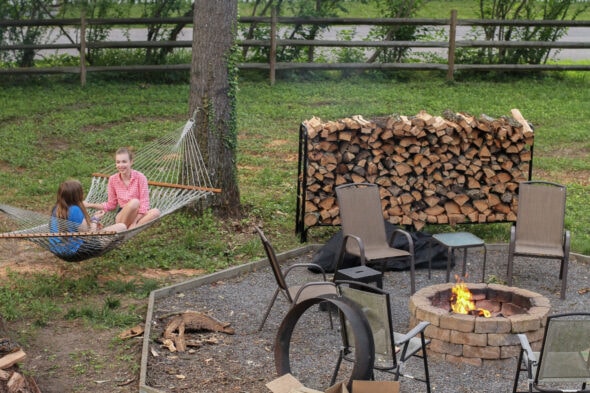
[[51, 132]]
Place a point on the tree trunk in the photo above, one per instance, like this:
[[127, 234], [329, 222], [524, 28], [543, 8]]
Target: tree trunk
[[213, 85]]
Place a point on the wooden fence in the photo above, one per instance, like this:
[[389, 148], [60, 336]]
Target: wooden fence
[[272, 66]]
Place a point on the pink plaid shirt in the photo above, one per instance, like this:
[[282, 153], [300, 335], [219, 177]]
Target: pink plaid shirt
[[120, 194]]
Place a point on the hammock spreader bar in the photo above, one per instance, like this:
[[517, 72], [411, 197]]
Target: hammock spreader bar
[[170, 185], [23, 235]]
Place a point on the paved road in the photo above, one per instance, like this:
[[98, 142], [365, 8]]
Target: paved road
[[575, 34]]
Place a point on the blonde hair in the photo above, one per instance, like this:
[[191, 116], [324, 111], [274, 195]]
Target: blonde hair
[[125, 150]]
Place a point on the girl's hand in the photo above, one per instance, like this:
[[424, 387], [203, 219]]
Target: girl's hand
[[99, 214]]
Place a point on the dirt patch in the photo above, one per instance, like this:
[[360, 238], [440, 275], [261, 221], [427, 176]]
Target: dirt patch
[[25, 257], [70, 355], [67, 356], [575, 177]]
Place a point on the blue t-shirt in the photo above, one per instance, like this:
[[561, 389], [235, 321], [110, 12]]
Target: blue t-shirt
[[66, 245]]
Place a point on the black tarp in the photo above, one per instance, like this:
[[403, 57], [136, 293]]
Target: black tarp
[[327, 256]]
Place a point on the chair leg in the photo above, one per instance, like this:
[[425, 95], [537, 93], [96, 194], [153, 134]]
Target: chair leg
[[485, 255], [272, 302], [518, 369], [564, 268], [425, 360], [449, 261], [337, 368], [412, 274], [330, 316], [509, 270]]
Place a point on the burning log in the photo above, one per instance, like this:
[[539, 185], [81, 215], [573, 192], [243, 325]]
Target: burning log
[[462, 301], [431, 169]]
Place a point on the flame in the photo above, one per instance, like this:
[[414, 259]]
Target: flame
[[462, 301]]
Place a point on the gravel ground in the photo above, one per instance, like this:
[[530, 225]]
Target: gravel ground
[[244, 362]]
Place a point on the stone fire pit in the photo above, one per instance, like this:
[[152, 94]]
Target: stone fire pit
[[474, 339]]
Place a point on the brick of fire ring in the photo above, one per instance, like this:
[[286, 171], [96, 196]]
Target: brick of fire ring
[[492, 325]]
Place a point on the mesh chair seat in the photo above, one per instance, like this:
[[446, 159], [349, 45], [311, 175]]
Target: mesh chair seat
[[303, 292], [376, 253], [545, 250]]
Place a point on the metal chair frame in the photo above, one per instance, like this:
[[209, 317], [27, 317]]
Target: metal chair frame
[[539, 230], [537, 365], [363, 229], [394, 348], [294, 293]]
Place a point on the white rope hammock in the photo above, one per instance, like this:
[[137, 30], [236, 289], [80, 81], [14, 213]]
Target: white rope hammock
[[176, 176]]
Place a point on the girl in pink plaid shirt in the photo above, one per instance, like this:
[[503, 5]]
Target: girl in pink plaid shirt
[[128, 191]]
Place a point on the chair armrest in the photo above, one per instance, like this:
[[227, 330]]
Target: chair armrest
[[418, 329], [360, 243], [512, 244], [408, 237], [305, 265], [526, 347], [566, 243]]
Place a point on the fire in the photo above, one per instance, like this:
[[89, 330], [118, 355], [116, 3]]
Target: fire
[[462, 301]]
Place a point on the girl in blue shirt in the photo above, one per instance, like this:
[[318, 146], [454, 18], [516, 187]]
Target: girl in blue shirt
[[70, 215]]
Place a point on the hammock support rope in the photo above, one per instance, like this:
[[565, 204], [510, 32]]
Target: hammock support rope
[[176, 174]]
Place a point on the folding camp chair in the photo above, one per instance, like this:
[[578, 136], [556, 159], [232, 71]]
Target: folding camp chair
[[539, 230], [296, 292], [392, 349], [563, 362], [363, 228]]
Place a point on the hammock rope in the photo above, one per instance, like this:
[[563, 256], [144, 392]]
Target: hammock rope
[[177, 176]]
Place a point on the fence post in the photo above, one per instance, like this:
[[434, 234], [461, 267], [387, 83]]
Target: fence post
[[451, 54], [273, 45], [83, 49]]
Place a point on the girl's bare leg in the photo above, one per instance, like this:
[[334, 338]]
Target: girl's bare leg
[[120, 227], [151, 215], [128, 213]]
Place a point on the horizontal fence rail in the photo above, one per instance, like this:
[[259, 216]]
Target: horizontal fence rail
[[274, 42]]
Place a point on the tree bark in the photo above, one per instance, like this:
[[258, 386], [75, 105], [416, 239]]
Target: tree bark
[[213, 85]]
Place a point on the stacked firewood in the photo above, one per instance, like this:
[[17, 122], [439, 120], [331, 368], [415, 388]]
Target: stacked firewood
[[11, 379], [447, 169]]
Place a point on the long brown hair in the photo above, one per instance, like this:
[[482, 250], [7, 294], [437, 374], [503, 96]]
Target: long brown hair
[[69, 193]]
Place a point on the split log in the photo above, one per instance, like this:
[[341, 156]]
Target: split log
[[16, 383], [193, 321], [197, 321], [11, 359]]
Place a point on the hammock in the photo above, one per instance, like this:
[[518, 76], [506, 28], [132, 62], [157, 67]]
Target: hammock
[[176, 176]]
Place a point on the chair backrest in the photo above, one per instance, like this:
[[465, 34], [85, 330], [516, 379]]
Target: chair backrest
[[565, 351], [375, 304], [361, 214], [541, 213], [274, 263]]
